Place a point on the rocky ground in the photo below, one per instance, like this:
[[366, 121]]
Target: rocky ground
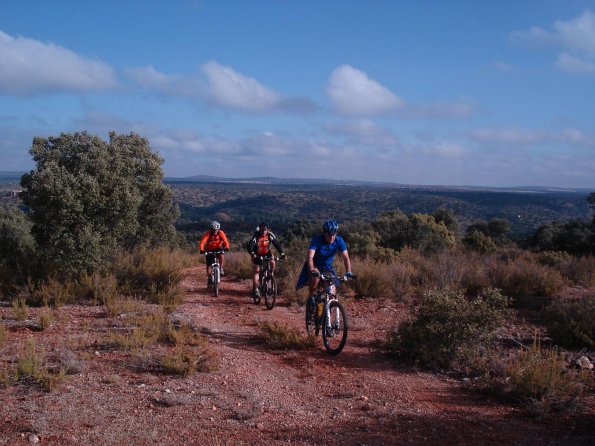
[[258, 395]]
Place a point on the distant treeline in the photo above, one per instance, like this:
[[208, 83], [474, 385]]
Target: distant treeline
[[242, 206]]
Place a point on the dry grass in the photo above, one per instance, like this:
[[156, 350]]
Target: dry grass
[[45, 318], [20, 310], [278, 336], [541, 379]]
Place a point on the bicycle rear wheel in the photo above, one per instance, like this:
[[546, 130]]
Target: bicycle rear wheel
[[270, 291], [334, 332]]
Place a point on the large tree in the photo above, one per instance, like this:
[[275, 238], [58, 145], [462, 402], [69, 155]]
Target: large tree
[[90, 199]]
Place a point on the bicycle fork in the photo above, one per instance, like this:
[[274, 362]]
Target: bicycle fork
[[336, 321]]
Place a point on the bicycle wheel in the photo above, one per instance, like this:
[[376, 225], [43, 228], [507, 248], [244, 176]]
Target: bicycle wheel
[[270, 291], [311, 325], [334, 332], [216, 279]]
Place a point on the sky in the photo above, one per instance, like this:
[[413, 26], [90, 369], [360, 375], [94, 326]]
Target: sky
[[426, 92]]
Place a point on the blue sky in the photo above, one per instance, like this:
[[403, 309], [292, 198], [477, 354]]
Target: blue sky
[[498, 93]]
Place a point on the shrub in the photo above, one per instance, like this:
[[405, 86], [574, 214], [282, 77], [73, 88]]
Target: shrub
[[57, 293], [3, 335], [373, 277], [46, 318], [448, 327], [240, 264], [31, 367], [540, 379], [571, 323], [278, 336], [187, 360], [154, 273], [20, 309], [523, 277]]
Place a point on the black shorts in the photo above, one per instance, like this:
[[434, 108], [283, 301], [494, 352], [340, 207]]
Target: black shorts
[[258, 261], [210, 258]]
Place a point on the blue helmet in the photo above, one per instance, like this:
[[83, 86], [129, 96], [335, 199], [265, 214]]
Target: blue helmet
[[330, 227]]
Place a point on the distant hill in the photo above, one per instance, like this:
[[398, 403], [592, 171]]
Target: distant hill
[[319, 181], [11, 176], [243, 203]]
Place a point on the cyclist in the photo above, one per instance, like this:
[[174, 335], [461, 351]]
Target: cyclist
[[213, 240], [259, 245], [321, 254]]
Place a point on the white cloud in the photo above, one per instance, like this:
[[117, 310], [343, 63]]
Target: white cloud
[[574, 64], [229, 88], [578, 34], [170, 84], [28, 66], [353, 92], [576, 37], [509, 135]]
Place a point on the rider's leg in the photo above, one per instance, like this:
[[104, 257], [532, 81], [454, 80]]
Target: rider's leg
[[255, 277], [220, 257]]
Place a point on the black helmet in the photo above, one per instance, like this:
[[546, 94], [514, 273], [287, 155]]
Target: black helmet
[[263, 225]]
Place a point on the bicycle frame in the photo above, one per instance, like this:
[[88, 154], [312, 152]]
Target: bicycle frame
[[215, 275]]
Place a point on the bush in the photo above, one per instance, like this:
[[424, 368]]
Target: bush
[[571, 323], [522, 277], [373, 277], [449, 328], [278, 336], [3, 335], [540, 379], [239, 264], [91, 199], [155, 274], [18, 257]]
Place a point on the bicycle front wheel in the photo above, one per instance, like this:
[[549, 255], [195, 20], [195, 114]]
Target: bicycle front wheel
[[334, 328], [270, 291], [216, 279]]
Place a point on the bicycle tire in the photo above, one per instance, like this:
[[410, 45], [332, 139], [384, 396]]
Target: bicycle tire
[[334, 335], [311, 323], [270, 291], [216, 279]]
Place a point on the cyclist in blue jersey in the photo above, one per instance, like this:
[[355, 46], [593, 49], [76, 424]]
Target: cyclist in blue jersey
[[321, 254]]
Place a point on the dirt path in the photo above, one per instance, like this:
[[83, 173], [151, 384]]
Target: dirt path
[[258, 396], [359, 397]]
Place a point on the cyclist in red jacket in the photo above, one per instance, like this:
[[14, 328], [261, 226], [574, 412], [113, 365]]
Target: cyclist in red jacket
[[258, 246], [214, 240]]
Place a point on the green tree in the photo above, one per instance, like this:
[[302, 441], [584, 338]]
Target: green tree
[[17, 248], [90, 199]]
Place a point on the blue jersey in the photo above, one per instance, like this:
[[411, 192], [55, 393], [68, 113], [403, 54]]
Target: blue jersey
[[325, 252], [323, 257]]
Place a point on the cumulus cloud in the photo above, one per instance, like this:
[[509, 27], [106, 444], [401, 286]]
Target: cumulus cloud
[[229, 88], [576, 37], [28, 67], [353, 92], [521, 136], [171, 84], [574, 64], [223, 87]]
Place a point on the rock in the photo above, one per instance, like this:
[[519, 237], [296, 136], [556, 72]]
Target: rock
[[584, 363], [33, 439]]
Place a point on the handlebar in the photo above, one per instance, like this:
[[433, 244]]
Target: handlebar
[[219, 251], [329, 277], [269, 258]]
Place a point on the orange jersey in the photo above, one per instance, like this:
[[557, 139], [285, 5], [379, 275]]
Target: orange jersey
[[213, 242]]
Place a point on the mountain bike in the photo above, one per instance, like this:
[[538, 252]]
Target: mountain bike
[[328, 315], [215, 277], [268, 282]]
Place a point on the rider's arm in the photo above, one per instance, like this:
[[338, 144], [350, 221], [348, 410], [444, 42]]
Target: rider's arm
[[251, 246], [203, 241], [310, 259], [346, 261], [224, 238]]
